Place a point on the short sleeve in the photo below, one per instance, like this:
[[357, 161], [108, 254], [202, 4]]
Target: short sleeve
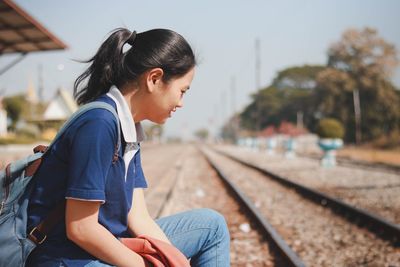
[[91, 154]]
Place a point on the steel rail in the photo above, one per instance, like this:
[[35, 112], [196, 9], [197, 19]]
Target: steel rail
[[374, 223], [266, 227]]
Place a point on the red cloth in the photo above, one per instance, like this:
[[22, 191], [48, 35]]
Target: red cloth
[[157, 252]]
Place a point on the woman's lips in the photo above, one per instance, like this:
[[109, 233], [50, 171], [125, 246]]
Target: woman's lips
[[170, 113]]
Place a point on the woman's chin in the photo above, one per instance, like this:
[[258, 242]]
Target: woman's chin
[[159, 121]]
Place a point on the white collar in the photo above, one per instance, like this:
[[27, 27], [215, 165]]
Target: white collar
[[133, 132]]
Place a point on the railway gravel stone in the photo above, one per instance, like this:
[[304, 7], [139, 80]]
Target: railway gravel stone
[[318, 236], [372, 190], [199, 187]]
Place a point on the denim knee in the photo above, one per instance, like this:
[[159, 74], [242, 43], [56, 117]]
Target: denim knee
[[217, 222]]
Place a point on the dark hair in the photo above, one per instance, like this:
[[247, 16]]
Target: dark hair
[[158, 48]]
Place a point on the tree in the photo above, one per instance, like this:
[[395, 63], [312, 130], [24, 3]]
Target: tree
[[364, 55], [298, 77], [154, 132], [14, 105], [230, 130], [289, 94], [359, 68], [201, 134], [268, 102], [354, 88]]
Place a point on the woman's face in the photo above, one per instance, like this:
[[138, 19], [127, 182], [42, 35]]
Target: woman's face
[[168, 97]]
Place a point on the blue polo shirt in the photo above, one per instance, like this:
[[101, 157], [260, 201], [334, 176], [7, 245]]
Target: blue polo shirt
[[80, 166]]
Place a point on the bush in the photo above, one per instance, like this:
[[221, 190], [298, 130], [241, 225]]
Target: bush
[[29, 131], [330, 128], [16, 140], [390, 141]]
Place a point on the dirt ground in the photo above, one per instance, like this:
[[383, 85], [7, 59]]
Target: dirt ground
[[371, 155], [14, 152]]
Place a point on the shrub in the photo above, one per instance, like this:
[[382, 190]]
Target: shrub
[[330, 128], [390, 141], [28, 130], [16, 140]]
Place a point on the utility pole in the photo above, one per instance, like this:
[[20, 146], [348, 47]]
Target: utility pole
[[357, 115], [233, 95], [299, 120], [233, 108], [258, 71], [223, 110], [216, 120], [40, 85]]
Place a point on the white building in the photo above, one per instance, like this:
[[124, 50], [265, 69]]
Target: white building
[[60, 107], [3, 120]]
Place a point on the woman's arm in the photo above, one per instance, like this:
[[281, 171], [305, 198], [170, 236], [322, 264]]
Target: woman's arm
[[83, 229], [140, 221]]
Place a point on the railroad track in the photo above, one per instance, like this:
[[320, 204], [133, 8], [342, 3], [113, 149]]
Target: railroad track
[[375, 223], [320, 237], [266, 228], [247, 227], [373, 190]]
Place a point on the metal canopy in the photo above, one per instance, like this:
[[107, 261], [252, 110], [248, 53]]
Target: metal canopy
[[21, 33]]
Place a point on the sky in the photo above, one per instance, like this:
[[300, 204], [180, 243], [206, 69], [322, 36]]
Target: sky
[[222, 33]]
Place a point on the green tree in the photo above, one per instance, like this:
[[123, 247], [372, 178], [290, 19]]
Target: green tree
[[154, 131], [360, 64], [264, 108], [14, 105], [230, 130], [298, 77], [289, 94], [201, 134], [356, 80]]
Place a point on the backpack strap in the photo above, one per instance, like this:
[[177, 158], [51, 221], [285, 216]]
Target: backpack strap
[[82, 110], [39, 233]]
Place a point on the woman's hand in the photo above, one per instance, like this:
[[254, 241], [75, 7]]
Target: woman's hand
[[140, 221]]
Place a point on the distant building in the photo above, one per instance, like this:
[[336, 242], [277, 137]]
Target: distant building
[[22, 34], [60, 107], [57, 111], [31, 95], [3, 119]]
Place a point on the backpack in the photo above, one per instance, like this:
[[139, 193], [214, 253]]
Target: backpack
[[15, 243]]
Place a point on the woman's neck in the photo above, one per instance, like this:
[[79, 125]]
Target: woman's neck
[[133, 98]]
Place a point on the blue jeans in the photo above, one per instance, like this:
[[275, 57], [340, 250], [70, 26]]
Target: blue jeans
[[201, 235]]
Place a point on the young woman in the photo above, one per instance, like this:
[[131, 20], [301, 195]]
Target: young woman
[[103, 193]]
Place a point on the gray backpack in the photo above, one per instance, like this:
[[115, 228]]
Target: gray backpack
[[15, 243]]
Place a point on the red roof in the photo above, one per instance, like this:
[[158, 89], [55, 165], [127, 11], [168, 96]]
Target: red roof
[[290, 129], [21, 33]]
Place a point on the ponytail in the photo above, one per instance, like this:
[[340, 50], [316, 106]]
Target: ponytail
[[105, 68], [159, 48]]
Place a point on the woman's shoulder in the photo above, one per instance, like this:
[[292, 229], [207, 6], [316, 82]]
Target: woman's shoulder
[[101, 113], [95, 124], [97, 119]]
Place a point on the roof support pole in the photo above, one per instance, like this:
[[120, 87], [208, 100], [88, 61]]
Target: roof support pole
[[11, 64]]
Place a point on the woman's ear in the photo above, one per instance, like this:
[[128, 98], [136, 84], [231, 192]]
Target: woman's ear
[[154, 79]]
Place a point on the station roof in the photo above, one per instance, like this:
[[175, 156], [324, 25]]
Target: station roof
[[21, 33]]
